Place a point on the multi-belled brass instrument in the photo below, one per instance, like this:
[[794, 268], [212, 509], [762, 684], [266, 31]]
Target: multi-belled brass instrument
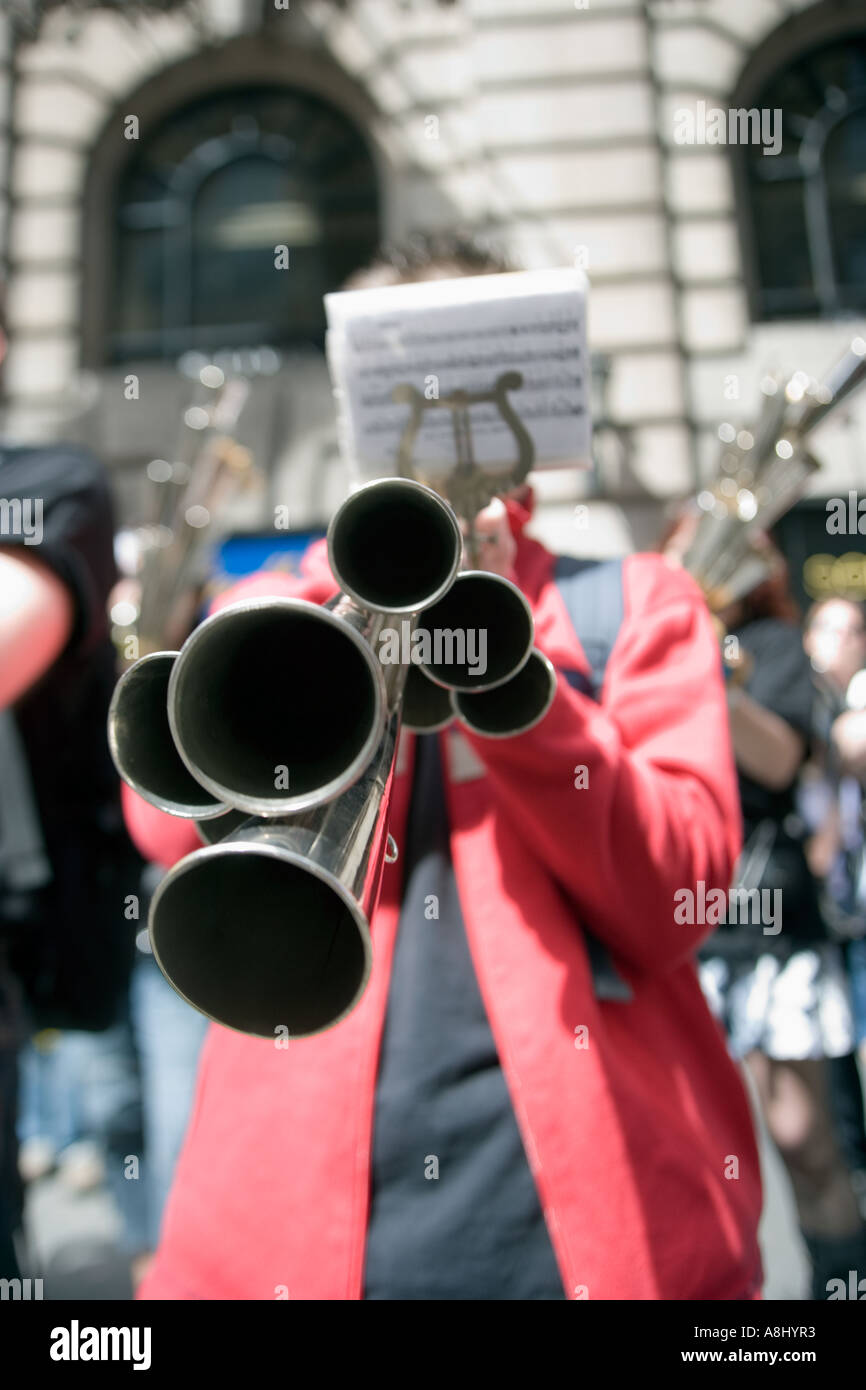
[[762, 472], [276, 727]]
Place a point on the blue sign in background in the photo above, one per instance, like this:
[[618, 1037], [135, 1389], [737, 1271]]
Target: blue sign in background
[[244, 554]]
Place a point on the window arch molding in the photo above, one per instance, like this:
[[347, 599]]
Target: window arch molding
[[801, 36], [209, 73]]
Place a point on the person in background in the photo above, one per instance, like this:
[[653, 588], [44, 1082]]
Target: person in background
[[779, 986], [831, 800], [109, 1051], [65, 858]]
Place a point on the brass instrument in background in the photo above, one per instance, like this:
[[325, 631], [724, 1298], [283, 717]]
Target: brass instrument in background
[[762, 472], [276, 725], [156, 606]]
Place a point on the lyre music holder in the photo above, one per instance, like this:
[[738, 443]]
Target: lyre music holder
[[468, 487]]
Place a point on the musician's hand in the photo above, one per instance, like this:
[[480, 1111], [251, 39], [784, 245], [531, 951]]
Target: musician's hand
[[496, 545]]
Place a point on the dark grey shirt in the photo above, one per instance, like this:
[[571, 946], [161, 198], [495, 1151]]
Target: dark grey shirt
[[455, 1213]]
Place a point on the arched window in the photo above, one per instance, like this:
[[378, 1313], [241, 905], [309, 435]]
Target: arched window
[[203, 205], [804, 212]]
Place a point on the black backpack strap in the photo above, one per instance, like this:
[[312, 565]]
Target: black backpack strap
[[592, 592]]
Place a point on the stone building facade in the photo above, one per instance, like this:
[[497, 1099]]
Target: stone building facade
[[554, 127]]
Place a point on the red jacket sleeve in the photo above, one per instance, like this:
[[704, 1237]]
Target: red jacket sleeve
[[165, 839], [161, 838], [661, 809]]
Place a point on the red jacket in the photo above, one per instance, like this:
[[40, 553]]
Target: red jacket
[[635, 1122]]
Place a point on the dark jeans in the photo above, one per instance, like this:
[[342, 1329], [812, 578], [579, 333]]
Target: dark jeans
[[137, 1081]]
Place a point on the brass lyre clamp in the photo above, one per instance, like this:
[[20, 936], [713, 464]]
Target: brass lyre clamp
[[468, 487]]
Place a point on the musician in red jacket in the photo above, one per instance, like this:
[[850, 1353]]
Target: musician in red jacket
[[491, 1122]]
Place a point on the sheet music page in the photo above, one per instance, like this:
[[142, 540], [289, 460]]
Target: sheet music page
[[445, 335]]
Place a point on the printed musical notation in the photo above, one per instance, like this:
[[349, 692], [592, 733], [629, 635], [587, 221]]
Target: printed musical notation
[[445, 336]]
